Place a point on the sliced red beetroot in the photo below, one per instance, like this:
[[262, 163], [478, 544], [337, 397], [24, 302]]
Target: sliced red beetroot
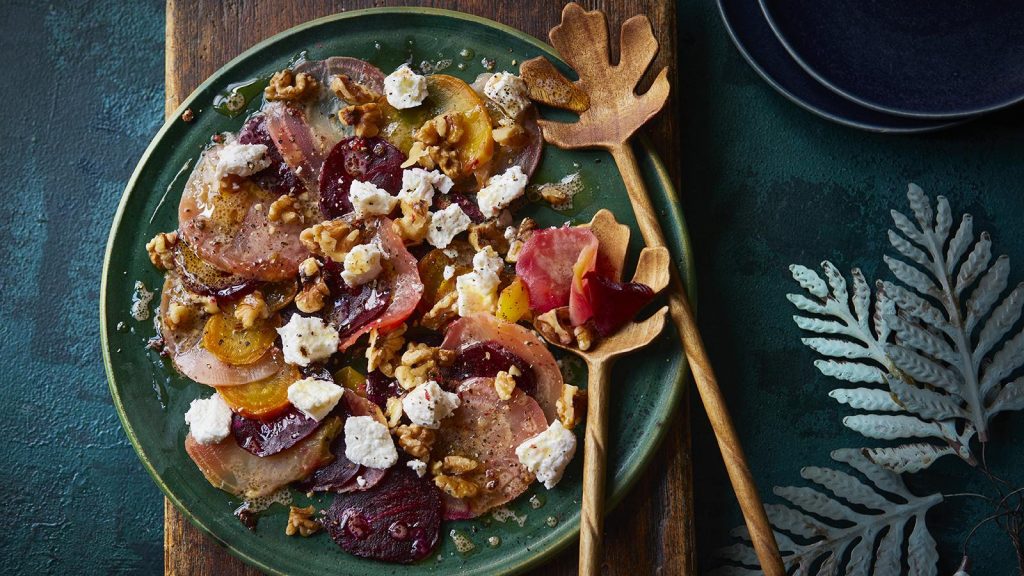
[[399, 521], [278, 178], [379, 388], [486, 359], [355, 307], [468, 205], [615, 303], [403, 279], [273, 436], [488, 429], [546, 264], [520, 342], [184, 345], [335, 475], [230, 468], [372, 160]]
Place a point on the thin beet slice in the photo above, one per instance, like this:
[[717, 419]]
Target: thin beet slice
[[614, 303], [468, 205], [334, 476], [202, 278], [398, 521], [379, 388], [278, 177], [357, 307], [485, 360], [372, 160], [272, 436]]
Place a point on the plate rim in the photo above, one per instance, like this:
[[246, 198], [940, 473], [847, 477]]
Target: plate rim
[[674, 216], [955, 115]]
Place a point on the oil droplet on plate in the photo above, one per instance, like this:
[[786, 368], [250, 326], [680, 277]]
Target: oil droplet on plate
[[551, 521], [141, 298], [494, 541], [467, 53], [487, 63], [536, 501], [462, 542]]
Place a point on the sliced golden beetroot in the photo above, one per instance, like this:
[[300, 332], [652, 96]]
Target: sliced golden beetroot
[[202, 278], [226, 338], [520, 342], [262, 399], [432, 271], [488, 429], [183, 344], [514, 302], [446, 94], [546, 264], [230, 468], [277, 295]]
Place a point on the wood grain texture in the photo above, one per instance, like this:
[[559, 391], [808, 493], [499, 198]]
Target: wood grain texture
[[651, 531]]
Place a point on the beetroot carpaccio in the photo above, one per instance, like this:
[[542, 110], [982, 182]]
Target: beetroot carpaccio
[[349, 278]]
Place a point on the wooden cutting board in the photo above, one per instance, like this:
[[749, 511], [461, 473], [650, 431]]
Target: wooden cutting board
[[651, 531]]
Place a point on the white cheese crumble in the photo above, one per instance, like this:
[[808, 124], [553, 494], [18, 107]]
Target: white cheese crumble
[[417, 466], [447, 224], [508, 91], [368, 443], [418, 185], [478, 290], [315, 398], [241, 159], [307, 339], [405, 88], [369, 200], [362, 264], [448, 272], [501, 190], [547, 454], [209, 420], [428, 404], [361, 482]]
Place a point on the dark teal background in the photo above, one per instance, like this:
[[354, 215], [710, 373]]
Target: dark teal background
[[765, 184]]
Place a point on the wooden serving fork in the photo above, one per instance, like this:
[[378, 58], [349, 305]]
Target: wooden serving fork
[[610, 111]]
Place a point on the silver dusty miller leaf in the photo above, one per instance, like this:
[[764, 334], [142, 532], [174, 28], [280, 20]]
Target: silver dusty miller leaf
[[845, 525]]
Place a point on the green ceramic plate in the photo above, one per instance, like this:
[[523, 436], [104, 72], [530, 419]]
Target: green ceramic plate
[[151, 399]]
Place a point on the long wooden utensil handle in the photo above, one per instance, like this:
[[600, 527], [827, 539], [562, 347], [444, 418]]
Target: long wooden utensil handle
[[594, 471], [707, 385]]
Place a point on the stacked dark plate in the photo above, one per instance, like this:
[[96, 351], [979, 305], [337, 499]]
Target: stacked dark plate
[[905, 66]]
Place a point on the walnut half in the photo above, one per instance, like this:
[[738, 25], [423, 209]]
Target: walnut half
[[366, 118], [351, 91], [301, 521], [311, 298], [382, 353], [289, 86], [252, 308], [331, 239], [416, 440], [161, 250], [456, 487]]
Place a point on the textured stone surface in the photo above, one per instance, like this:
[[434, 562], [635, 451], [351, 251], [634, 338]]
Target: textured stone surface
[[765, 185], [82, 94]]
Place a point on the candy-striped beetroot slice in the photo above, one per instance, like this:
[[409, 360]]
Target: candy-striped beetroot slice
[[272, 436]]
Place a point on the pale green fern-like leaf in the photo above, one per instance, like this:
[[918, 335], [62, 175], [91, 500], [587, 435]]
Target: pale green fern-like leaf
[[846, 525]]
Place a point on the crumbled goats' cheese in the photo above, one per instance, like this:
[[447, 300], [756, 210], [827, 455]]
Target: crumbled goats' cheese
[[368, 443], [501, 190], [362, 264], [508, 91], [405, 88], [428, 404], [547, 454], [307, 339], [447, 224], [369, 200], [417, 466], [315, 398], [478, 290], [209, 420], [241, 159], [418, 185]]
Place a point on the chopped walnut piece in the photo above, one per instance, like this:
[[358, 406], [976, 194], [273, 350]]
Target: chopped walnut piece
[[444, 311], [439, 138], [456, 487], [416, 440], [289, 86], [418, 154], [366, 119], [505, 383], [252, 308], [488, 233], [566, 407], [554, 326], [414, 223], [584, 337], [522, 234], [382, 353], [512, 135], [161, 250], [393, 411], [301, 521], [459, 465], [285, 209], [351, 91], [312, 297], [331, 239], [178, 316], [418, 366]]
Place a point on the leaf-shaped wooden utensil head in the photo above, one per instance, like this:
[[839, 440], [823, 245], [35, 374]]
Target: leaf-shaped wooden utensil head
[[610, 109]]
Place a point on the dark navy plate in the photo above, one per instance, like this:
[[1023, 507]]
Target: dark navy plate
[[757, 43], [917, 58]]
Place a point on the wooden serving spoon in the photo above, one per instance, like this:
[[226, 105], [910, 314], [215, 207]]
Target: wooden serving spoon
[[652, 269], [610, 111]]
